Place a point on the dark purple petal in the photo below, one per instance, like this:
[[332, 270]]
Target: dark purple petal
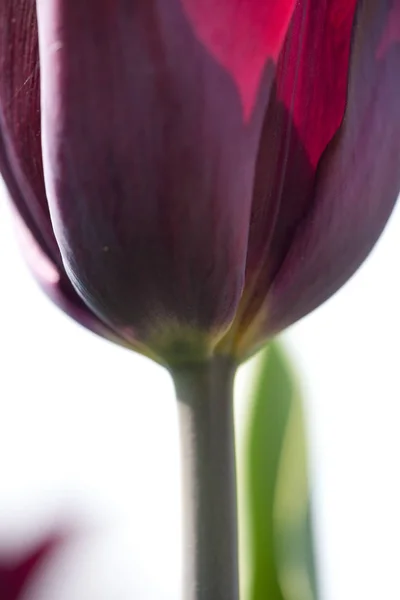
[[58, 288], [358, 178], [149, 167], [21, 157], [20, 142], [306, 109]]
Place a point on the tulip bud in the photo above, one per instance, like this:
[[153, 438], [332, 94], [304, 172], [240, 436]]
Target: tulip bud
[[197, 176]]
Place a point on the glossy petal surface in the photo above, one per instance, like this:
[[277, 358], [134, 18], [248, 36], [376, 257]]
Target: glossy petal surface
[[21, 157], [149, 165]]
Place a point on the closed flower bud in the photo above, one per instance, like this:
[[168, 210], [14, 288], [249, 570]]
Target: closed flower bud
[[192, 176]]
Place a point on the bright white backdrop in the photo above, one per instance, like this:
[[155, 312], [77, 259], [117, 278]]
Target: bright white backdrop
[[88, 435]]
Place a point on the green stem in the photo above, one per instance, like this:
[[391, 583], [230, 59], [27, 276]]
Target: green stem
[[210, 544]]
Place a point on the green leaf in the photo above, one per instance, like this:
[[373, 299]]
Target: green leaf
[[276, 554]]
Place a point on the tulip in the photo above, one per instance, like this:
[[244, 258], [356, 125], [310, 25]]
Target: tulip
[[193, 176], [211, 169]]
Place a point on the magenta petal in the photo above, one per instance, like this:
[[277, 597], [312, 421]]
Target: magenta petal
[[357, 184], [306, 108], [149, 166], [243, 36]]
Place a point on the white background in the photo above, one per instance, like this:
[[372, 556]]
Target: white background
[[88, 436]]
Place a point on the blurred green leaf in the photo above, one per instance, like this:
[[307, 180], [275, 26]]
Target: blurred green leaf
[[277, 557]]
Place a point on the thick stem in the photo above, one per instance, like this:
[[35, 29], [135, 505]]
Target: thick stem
[[210, 544]]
